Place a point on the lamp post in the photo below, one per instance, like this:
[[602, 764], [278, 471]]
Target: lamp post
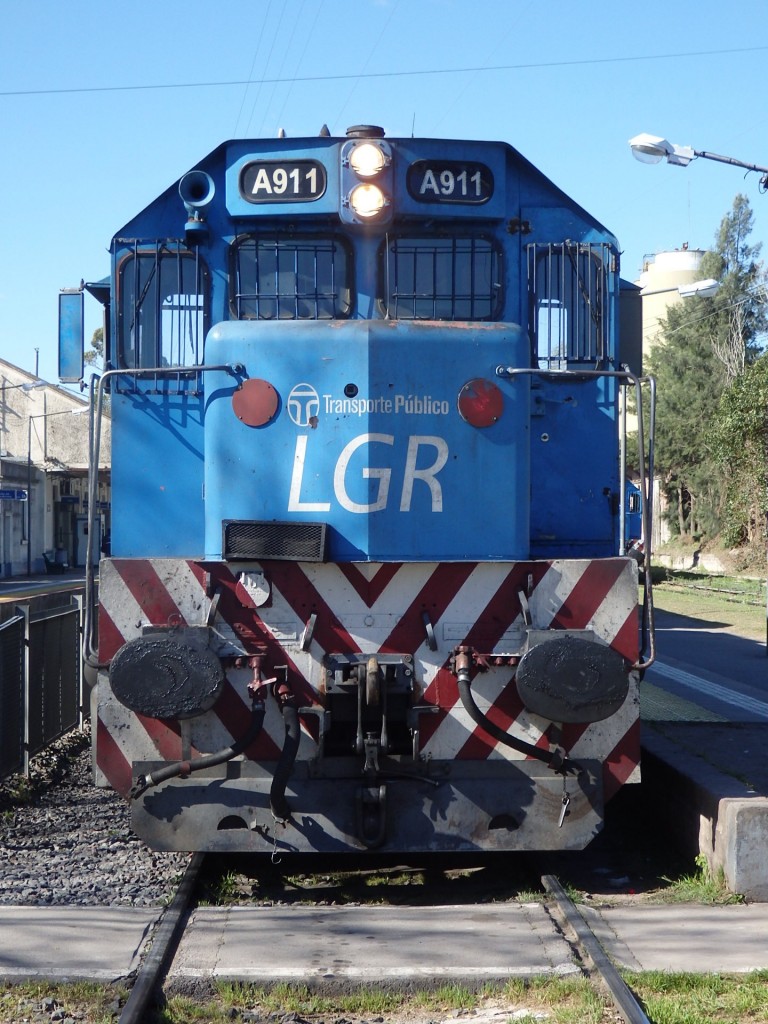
[[38, 416], [652, 149]]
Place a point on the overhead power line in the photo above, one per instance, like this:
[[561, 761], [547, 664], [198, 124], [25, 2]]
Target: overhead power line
[[383, 74]]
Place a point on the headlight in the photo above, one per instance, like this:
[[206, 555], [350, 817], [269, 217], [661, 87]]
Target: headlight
[[367, 201], [367, 160]]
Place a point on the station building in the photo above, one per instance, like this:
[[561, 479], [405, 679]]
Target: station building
[[44, 476]]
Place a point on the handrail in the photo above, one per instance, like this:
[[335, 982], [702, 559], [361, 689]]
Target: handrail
[[646, 478]]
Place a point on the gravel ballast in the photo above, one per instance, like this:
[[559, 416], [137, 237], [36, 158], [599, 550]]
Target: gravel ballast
[[65, 842]]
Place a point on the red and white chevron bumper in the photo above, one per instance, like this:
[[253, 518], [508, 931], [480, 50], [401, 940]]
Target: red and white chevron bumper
[[455, 788]]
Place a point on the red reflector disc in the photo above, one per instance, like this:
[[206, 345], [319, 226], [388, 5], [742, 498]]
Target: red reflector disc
[[255, 402], [481, 402]]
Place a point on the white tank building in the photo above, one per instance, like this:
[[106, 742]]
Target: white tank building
[[662, 277]]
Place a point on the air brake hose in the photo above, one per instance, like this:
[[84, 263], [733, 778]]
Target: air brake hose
[[556, 759], [177, 768], [277, 802]]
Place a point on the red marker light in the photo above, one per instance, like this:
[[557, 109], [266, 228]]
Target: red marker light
[[255, 402], [481, 402]]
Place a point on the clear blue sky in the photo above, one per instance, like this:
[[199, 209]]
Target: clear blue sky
[[567, 84]]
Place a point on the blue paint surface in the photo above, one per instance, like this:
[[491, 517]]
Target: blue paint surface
[[368, 438]]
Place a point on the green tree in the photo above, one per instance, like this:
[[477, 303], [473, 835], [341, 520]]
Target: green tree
[[95, 354], [706, 344], [689, 381], [738, 439], [738, 310]]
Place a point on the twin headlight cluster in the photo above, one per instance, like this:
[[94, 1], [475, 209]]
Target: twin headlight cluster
[[366, 175]]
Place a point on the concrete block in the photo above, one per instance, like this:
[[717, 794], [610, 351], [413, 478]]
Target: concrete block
[[703, 811], [741, 844]]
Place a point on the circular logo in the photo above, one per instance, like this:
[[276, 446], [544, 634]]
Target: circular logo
[[303, 405]]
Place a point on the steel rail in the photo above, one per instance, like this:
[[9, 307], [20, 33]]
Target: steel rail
[[593, 954], [165, 940]]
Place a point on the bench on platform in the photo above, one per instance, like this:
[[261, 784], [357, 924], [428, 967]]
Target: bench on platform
[[51, 565]]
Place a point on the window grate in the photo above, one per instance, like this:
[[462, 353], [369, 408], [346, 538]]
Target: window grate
[[162, 309], [568, 290], [291, 279], [442, 279]]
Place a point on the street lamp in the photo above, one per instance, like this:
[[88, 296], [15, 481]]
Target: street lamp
[[705, 289], [28, 385], [652, 149], [38, 416]]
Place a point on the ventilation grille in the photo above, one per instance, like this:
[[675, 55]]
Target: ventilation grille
[[245, 540]]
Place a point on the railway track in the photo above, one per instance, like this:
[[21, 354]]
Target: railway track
[[753, 596], [592, 954], [586, 947], [164, 943]]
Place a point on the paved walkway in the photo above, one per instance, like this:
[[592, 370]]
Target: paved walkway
[[395, 946]]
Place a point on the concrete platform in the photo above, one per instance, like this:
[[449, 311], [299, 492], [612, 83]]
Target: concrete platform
[[402, 947]]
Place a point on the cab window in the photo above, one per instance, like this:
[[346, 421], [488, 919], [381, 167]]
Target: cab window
[[444, 278], [162, 308], [568, 288], [294, 278]]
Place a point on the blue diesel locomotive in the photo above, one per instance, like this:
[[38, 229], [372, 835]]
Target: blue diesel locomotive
[[367, 586]]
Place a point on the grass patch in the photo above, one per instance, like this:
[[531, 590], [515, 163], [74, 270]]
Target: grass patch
[[670, 998], [466, 879], [85, 1002], [560, 1000], [701, 886], [721, 609], [218, 890]]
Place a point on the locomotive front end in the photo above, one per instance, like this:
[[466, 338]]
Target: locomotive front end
[[365, 590]]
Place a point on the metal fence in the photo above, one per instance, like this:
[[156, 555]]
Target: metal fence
[[12, 676], [41, 682]]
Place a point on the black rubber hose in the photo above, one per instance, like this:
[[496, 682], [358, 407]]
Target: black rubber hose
[[277, 801], [554, 758], [177, 768]]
